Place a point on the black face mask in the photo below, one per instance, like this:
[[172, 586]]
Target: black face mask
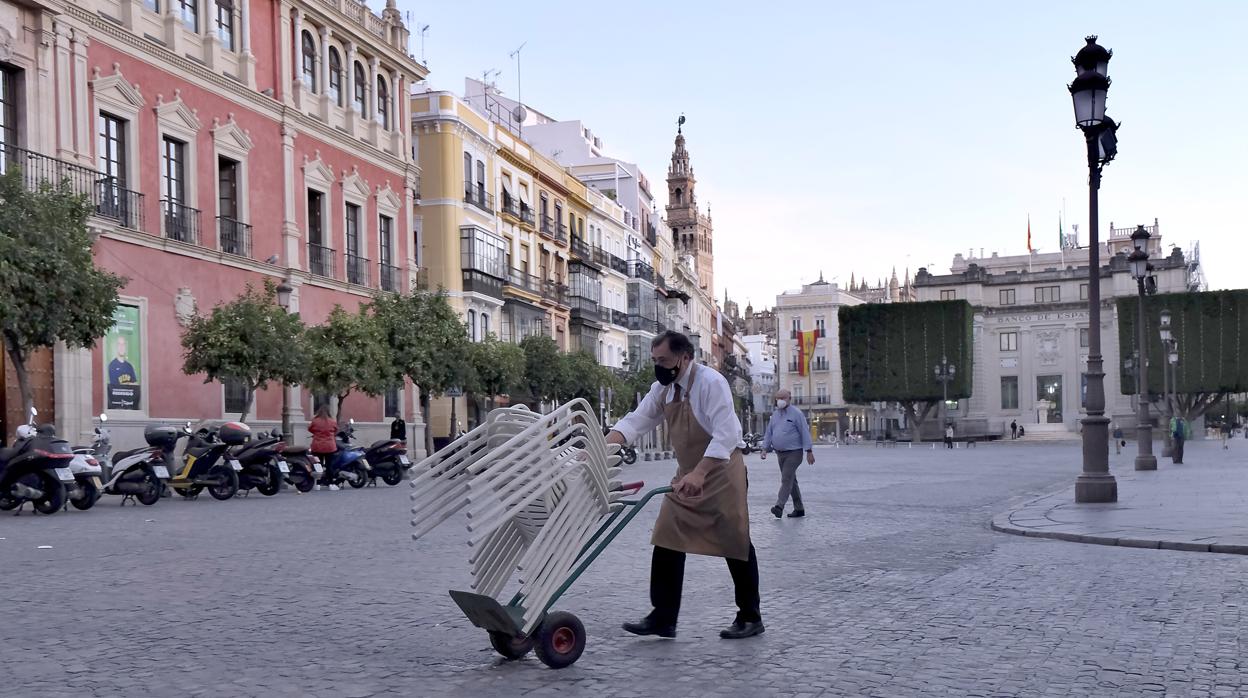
[[666, 376]]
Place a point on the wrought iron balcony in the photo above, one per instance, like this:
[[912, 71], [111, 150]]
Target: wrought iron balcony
[[480, 282], [107, 196], [321, 260], [522, 280], [389, 277], [476, 195], [638, 269], [581, 250], [526, 214], [555, 292], [234, 237], [511, 205], [358, 270], [618, 264], [181, 221], [548, 226]]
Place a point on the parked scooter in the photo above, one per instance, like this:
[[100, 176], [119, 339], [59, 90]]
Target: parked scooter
[[206, 463], [35, 469], [305, 468], [88, 485], [751, 443], [348, 463], [264, 468], [386, 458], [138, 474]]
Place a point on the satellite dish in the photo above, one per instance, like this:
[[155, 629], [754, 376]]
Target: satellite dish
[[520, 113]]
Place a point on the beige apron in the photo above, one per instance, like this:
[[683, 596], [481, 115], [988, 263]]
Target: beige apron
[[717, 523]]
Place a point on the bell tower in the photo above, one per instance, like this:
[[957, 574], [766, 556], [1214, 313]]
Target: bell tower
[[692, 232]]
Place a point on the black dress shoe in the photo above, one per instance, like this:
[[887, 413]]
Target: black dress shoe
[[797, 513], [648, 626], [777, 512], [742, 629]]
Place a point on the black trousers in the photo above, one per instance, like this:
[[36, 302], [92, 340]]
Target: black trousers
[[667, 578]]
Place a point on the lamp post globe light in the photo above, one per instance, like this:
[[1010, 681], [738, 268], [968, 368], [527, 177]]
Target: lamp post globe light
[[1138, 260], [284, 289], [1089, 92], [1167, 407]]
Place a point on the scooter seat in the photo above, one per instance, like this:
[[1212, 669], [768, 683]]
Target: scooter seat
[[122, 455], [377, 444], [295, 450]]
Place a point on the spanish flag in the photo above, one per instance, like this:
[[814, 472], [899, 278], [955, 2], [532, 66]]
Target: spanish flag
[[1029, 250], [806, 350]]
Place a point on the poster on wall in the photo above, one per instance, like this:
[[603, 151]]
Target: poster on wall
[[123, 354]]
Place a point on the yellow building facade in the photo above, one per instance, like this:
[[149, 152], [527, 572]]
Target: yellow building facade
[[494, 223]]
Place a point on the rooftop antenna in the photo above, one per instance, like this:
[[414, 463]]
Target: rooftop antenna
[[424, 29], [519, 112], [486, 85]]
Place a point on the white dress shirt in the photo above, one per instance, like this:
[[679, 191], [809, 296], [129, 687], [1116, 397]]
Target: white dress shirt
[[713, 408]]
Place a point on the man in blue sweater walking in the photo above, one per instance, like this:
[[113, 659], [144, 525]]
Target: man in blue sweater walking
[[788, 435]]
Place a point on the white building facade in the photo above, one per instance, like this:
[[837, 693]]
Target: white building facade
[[1031, 332]]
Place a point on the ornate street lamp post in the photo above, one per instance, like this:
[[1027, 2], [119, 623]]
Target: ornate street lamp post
[[284, 290], [1167, 406], [1138, 259], [1088, 92], [944, 372]]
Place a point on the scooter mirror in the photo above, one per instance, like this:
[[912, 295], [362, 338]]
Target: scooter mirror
[[33, 413], [351, 421], [103, 417]]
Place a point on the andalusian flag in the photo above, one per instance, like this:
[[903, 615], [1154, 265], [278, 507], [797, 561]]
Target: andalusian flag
[[805, 350]]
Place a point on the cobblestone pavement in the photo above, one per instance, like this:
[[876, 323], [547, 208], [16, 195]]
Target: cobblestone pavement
[[1197, 506], [893, 585]]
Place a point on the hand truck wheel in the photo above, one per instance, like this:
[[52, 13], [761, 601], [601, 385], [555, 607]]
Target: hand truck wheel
[[560, 640], [510, 647]]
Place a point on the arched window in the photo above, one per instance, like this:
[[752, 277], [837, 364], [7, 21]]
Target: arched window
[[335, 76], [680, 199], [472, 325], [360, 86], [383, 103], [485, 326], [309, 61]]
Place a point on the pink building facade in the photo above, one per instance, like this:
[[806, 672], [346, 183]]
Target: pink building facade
[[225, 143]]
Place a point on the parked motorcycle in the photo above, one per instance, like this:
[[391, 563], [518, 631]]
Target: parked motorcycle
[[752, 442], [305, 468], [264, 468], [137, 474], [348, 463], [88, 485], [35, 469], [206, 463], [387, 458]]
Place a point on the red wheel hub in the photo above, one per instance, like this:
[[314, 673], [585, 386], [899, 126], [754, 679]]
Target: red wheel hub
[[563, 640]]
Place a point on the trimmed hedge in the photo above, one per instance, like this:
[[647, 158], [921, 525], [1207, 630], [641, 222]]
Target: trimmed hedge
[[889, 351], [1212, 331]]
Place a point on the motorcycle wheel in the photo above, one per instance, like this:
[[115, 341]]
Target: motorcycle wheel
[[274, 485], [53, 495], [361, 477], [630, 457], [7, 501], [226, 489], [154, 489], [392, 477], [90, 495], [305, 482]]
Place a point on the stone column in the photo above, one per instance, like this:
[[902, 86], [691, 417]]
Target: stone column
[[73, 388], [83, 122], [64, 93], [349, 84], [284, 55], [371, 99], [326, 33], [247, 59], [296, 56], [290, 227]]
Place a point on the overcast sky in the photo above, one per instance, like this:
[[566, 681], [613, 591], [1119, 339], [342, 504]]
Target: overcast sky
[[854, 137]]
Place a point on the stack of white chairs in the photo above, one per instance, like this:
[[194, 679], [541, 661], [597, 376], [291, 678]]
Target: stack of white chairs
[[535, 489]]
